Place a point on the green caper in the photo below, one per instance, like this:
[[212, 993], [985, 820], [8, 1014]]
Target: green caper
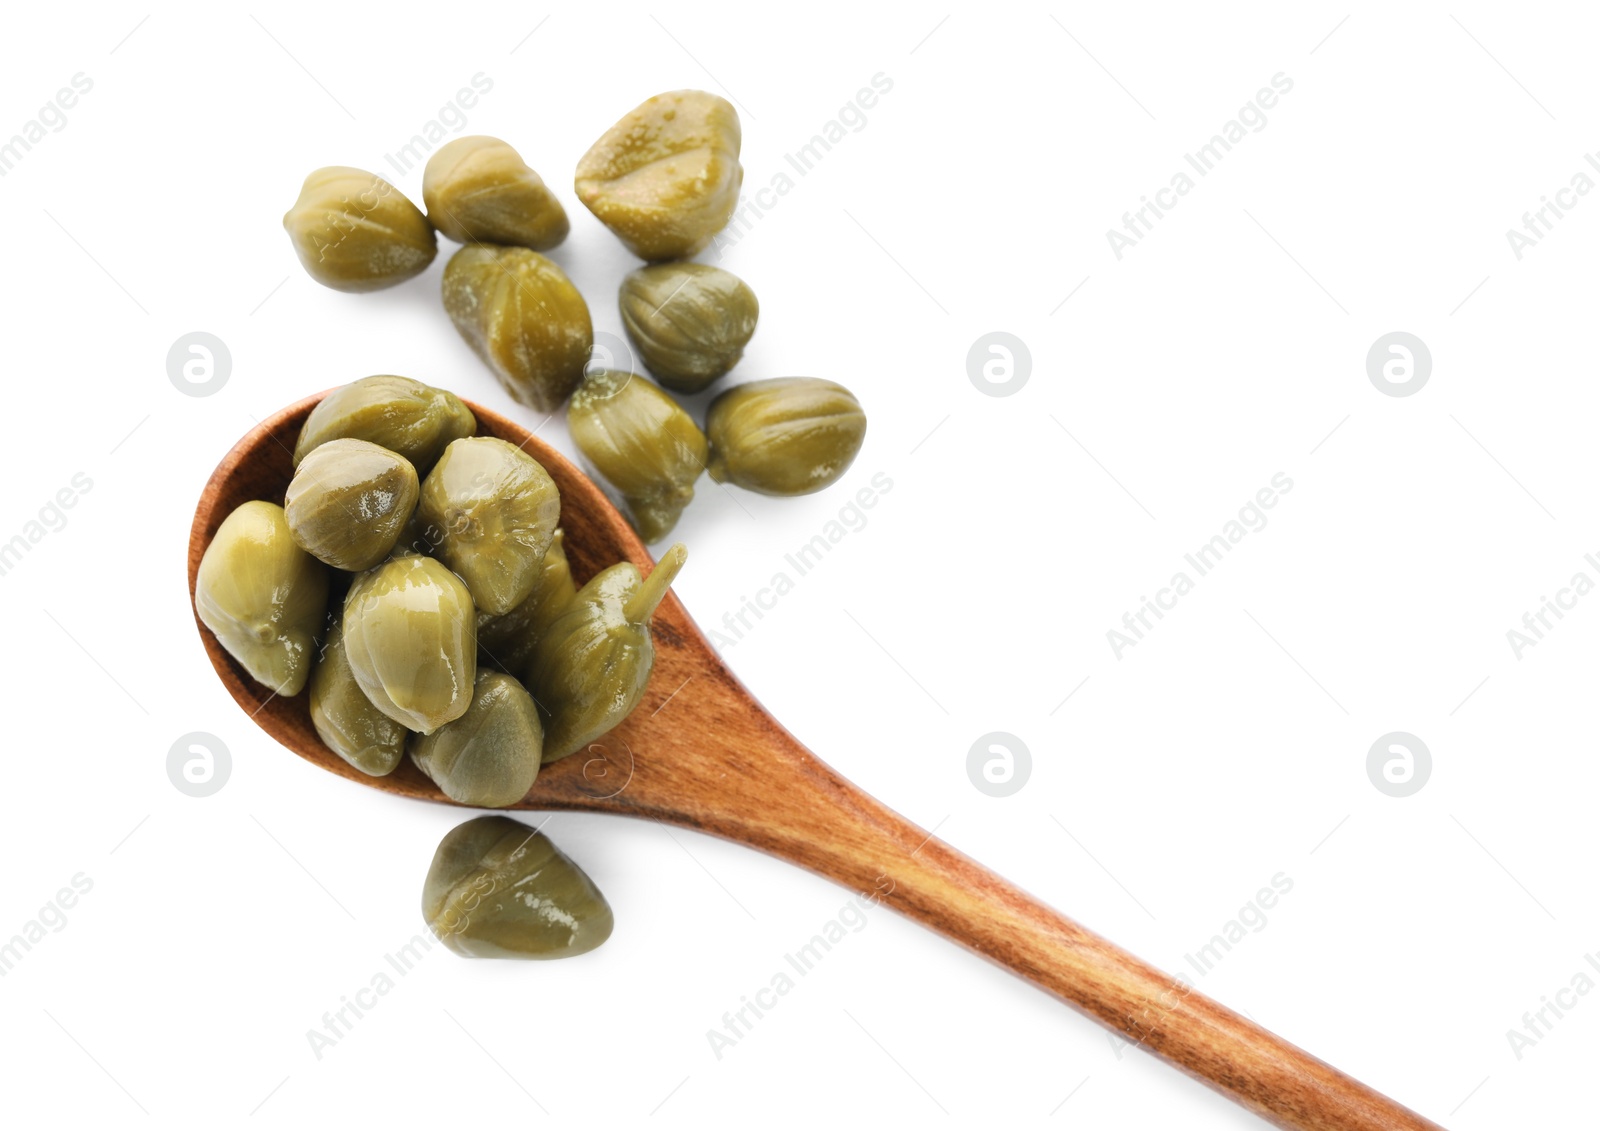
[[689, 322], [507, 641], [262, 596], [349, 501], [479, 190], [665, 179], [416, 537], [642, 443], [354, 231], [410, 637], [590, 669], [490, 755], [407, 417], [523, 316], [345, 718], [498, 889], [495, 511], [786, 436]]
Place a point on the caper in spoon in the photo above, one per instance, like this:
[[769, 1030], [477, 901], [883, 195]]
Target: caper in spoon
[[590, 668], [490, 755], [507, 641], [349, 501], [494, 510], [410, 636], [345, 718], [409, 418], [263, 596]]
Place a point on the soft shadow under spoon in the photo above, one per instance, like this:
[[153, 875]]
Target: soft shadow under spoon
[[714, 760]]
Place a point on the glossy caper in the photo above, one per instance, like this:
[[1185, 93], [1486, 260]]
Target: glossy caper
[[262, 596], [490, 755], [499, 889], [690, 322], [507, 641], [786, 436], [349, 501], [354, 231], [479, 190], [410, 636], [590, 669], [642, 443], [665, 179], [494, 510], [523, 316], [409, 418], [345, 718]]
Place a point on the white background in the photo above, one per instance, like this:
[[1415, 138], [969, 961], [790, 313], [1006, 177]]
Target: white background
[[1228, 746]]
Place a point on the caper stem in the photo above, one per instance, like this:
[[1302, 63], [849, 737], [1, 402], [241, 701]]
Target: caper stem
[[642, 604]]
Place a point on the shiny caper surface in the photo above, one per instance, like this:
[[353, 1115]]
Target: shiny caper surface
[[500, 889]]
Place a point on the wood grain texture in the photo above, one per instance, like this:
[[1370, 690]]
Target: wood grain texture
[[701, 753]]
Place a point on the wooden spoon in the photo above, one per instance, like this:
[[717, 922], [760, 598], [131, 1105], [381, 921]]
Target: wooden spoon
[[715, 761]]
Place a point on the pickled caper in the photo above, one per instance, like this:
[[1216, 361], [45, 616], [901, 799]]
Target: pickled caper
[[640, 442], [591, 667], [354, 231], [349, 501], [479, 190], [665, 179], [407, 417], [490, 755], [689, 322], [507, 641], [499, 889], [522, 315], [786, 436], [495, 511], [345, 718], [262, 596], [410, 637]]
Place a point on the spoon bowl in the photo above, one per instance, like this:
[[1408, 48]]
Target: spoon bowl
[[701, 753], [260, 467]]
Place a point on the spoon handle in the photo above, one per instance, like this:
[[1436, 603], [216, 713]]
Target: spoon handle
[[1278, 1081], [827, 825]]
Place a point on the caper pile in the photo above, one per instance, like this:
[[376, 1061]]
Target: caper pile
[[460, 639], [665, 180]]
